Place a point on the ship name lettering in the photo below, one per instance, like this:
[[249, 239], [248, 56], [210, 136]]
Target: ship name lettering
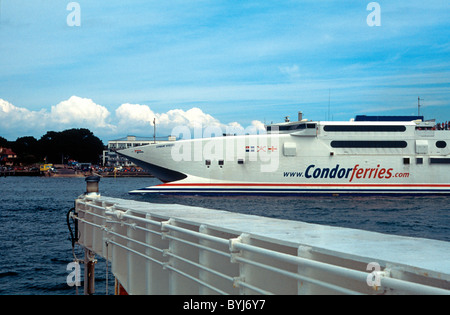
[[327, 172], [355, 172]]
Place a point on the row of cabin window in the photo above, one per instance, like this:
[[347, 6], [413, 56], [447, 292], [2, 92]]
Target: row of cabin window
[[208, 162], [419, 160], [406, 161], [221, 162], [378, 144]]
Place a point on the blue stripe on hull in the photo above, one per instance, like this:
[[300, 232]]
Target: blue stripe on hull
[[288, 192]]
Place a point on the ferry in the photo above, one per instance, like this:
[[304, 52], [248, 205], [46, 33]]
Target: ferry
[[366, 155]]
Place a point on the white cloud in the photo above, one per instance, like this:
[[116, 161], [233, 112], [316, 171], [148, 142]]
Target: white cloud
[[141, 115], [138, 119], [194, 117], [258, 125], [13, 117], [80, 111], [137, 113], [291, 71], [77, 112]]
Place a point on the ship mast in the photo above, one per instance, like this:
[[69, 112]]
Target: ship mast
[[418, 105], [154, 130]]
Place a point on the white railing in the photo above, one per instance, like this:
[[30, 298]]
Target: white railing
[[166, 252]]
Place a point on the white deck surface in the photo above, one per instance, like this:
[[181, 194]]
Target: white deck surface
[[413, 253]]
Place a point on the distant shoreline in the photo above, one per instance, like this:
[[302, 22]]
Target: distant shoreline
[[101, 175], [68, 175]]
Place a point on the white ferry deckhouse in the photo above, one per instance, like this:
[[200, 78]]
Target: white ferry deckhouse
[[367, 155]]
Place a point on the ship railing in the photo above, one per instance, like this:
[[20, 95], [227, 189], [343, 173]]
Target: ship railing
[[157, 254]]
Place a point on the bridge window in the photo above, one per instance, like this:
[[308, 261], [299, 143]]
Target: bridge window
[[292, 127], [439, 160], [369, 144], [363, 128]]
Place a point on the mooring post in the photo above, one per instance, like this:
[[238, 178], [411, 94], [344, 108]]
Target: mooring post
[[92, 186], [89, 256], [89, 272]]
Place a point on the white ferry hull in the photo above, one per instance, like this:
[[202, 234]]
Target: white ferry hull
[[376, 158], [292, 190]]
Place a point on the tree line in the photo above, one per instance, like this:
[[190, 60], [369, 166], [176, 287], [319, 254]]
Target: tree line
[[57, 147]]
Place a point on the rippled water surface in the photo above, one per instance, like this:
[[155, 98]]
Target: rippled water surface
[[34, 239]]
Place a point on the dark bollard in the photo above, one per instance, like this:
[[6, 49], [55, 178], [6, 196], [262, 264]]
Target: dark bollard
[[89, 272], [92, 185]]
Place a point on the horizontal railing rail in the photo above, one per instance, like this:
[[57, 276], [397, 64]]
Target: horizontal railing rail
[[156, 254]]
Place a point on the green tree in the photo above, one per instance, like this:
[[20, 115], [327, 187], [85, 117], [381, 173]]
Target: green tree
[[26, 149], [77, 144], [4, 142]]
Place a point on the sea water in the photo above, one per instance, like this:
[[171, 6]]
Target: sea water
[[35, 248]]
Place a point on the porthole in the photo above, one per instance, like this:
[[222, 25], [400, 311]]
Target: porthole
[[441, 144]]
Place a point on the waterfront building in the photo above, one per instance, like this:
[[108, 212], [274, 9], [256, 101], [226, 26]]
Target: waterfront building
[[7, 156], [111, 158]]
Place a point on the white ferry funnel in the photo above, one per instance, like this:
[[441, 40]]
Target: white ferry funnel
[[92, 186]]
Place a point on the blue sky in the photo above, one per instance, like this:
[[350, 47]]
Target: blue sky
[[220, 62]]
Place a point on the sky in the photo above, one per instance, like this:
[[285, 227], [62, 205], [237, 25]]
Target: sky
[[212, 62]]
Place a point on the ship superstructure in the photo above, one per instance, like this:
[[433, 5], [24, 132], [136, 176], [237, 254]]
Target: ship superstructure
[[367, 155]]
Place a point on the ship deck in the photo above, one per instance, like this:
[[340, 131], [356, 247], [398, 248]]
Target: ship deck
[[178, 249]]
